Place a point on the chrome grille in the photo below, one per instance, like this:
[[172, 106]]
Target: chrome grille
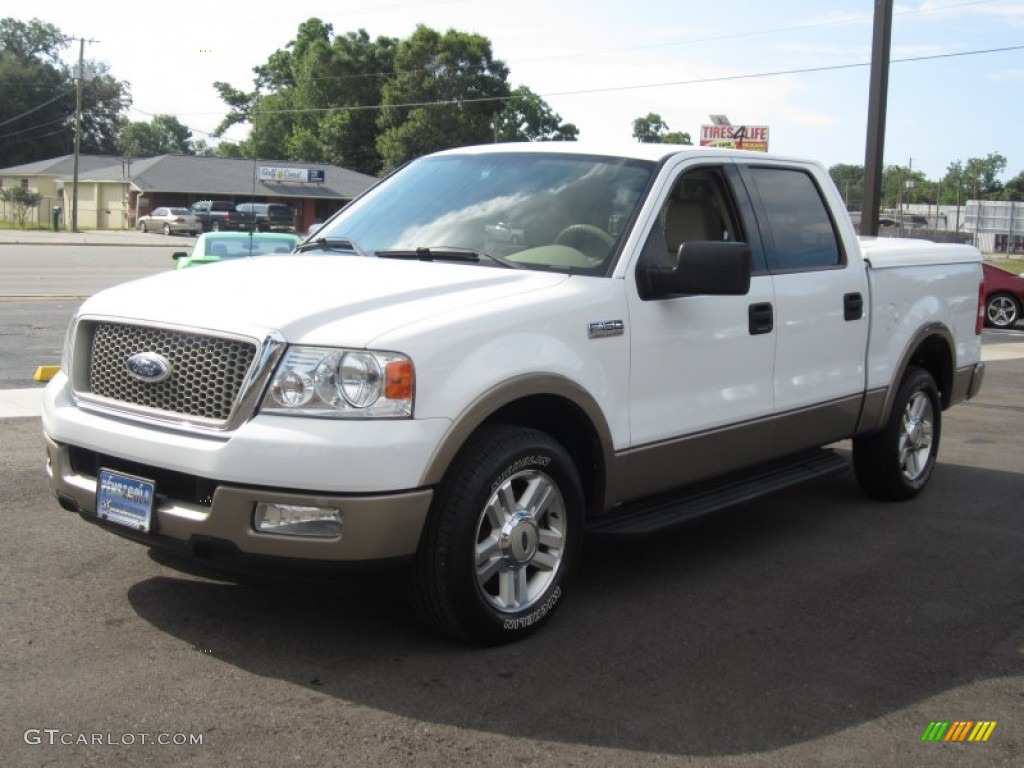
[[208, 372]]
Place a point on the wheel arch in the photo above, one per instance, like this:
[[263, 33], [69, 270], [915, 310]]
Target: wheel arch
[[932, 349], [549, 403]]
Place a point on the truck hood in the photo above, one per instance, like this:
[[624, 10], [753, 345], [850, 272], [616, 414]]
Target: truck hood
[[301, 296]]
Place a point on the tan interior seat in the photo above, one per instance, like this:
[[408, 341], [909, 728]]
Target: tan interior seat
[[690, 220]]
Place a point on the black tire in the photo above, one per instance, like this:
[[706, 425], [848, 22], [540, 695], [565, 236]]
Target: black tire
[[896, 463], [167, 229], [215, 226], [501, 537], [1002, 310], [142, 227]]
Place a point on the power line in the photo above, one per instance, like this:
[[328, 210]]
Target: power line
[[37, 107], [690, 41], [610, 89]]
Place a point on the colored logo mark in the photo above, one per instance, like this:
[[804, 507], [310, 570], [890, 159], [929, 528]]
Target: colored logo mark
[[959, 730]]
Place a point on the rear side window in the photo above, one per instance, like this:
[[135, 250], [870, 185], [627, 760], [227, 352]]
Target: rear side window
[[801, 232]]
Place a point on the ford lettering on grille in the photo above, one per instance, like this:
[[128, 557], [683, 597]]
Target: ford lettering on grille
[[149, 366]]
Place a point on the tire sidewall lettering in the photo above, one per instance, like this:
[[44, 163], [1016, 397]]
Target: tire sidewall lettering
[[533, 460], [524, 622]]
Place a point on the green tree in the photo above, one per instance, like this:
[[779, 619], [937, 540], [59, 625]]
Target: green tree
[[443, 94], [38, 104], [849, 180], [1014, 188], [902, 186], [527, 117], [651, 129], [316, 99], [163, 135], [23, 200]]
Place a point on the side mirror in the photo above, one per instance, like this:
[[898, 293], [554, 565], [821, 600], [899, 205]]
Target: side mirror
[[179, 255], [703, 268]]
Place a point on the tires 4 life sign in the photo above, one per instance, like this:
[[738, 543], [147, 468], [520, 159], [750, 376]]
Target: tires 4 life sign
[[753, 137]]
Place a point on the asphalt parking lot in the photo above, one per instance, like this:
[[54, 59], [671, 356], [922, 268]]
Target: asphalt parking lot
[[810, 628]]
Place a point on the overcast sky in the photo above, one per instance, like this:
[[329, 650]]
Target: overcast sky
[[600, 64]]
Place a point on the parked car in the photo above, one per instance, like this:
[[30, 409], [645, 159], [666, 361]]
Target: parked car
[[266, 217], [218, 246], [170, 220], [1004, 296], [216, 215]]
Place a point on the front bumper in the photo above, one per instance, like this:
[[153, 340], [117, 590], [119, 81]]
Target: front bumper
[[374, 527]]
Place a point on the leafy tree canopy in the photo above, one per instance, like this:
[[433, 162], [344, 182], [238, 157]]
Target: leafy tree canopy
[[372, 104], [38, 104], [651, 129], [163, 135]]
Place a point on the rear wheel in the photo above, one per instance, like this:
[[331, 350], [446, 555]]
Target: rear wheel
[[1002, 310], [896, 463], [215, 226], [501, 537]]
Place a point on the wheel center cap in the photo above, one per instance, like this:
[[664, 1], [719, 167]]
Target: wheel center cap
[[519, 538]]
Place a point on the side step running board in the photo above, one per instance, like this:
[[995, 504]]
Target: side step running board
[[661, 512]]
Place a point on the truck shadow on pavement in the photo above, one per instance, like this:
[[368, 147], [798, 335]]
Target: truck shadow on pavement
[[782, 621]]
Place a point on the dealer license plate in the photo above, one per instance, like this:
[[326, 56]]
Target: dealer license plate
[[125, 499]]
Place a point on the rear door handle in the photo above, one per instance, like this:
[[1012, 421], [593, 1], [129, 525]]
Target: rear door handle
[[761, 318], [853, 306]]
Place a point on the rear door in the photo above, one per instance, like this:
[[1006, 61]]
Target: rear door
[[820, 311]]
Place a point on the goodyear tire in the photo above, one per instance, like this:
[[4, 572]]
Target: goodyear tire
[[501, 537], [896, 463]]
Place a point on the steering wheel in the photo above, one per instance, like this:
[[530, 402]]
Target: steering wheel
[[592, 241]]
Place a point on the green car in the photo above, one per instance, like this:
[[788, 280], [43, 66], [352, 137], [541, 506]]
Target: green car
[[219, 246]]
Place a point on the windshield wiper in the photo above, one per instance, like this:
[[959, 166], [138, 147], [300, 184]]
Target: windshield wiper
[[330, 244], [444, 253]]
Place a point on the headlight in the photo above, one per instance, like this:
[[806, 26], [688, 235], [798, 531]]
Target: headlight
[[341, 384]]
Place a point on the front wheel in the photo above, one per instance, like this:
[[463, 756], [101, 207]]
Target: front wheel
[[215, 227], [500, 539], [1002, 310], [142, 227], [167, 229], [896, 463]]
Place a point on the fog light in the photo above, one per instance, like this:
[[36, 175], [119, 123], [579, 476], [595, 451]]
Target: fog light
[[292, 520]]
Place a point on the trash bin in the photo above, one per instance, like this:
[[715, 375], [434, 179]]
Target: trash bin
[[55, 217]]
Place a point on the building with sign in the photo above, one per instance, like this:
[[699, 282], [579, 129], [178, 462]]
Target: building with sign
[[113, 192]]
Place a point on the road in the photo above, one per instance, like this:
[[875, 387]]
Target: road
[[813, 627]]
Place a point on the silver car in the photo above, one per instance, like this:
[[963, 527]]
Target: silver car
[[170, 220]]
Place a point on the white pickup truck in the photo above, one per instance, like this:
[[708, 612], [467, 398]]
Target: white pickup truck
[[671, 331]]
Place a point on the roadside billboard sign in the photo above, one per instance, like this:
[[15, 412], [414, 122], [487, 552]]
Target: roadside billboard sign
[[754, 137]]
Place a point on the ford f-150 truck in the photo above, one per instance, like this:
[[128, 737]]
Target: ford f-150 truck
[[672, 330]]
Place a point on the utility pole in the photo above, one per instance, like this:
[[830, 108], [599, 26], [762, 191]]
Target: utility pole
[[881, 46], [78, 127]]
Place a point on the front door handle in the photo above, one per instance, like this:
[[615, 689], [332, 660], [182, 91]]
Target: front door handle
[[761, 318]]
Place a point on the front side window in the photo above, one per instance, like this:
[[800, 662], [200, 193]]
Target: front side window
[[550, 211], [802, 235]]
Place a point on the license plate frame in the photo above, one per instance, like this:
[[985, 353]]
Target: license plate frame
[[125, 499]]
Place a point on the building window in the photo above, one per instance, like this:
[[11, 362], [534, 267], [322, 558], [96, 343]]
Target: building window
[[24, 183]]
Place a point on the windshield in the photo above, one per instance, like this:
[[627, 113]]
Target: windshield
[[236, 248], [542, 211]]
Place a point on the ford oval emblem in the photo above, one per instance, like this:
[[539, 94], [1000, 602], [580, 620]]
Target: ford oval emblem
[[149, 367]]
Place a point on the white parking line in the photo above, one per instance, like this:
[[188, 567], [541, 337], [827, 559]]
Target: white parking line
[[19, 403]]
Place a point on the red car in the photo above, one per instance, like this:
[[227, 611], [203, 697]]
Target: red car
[[1004, 295]]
